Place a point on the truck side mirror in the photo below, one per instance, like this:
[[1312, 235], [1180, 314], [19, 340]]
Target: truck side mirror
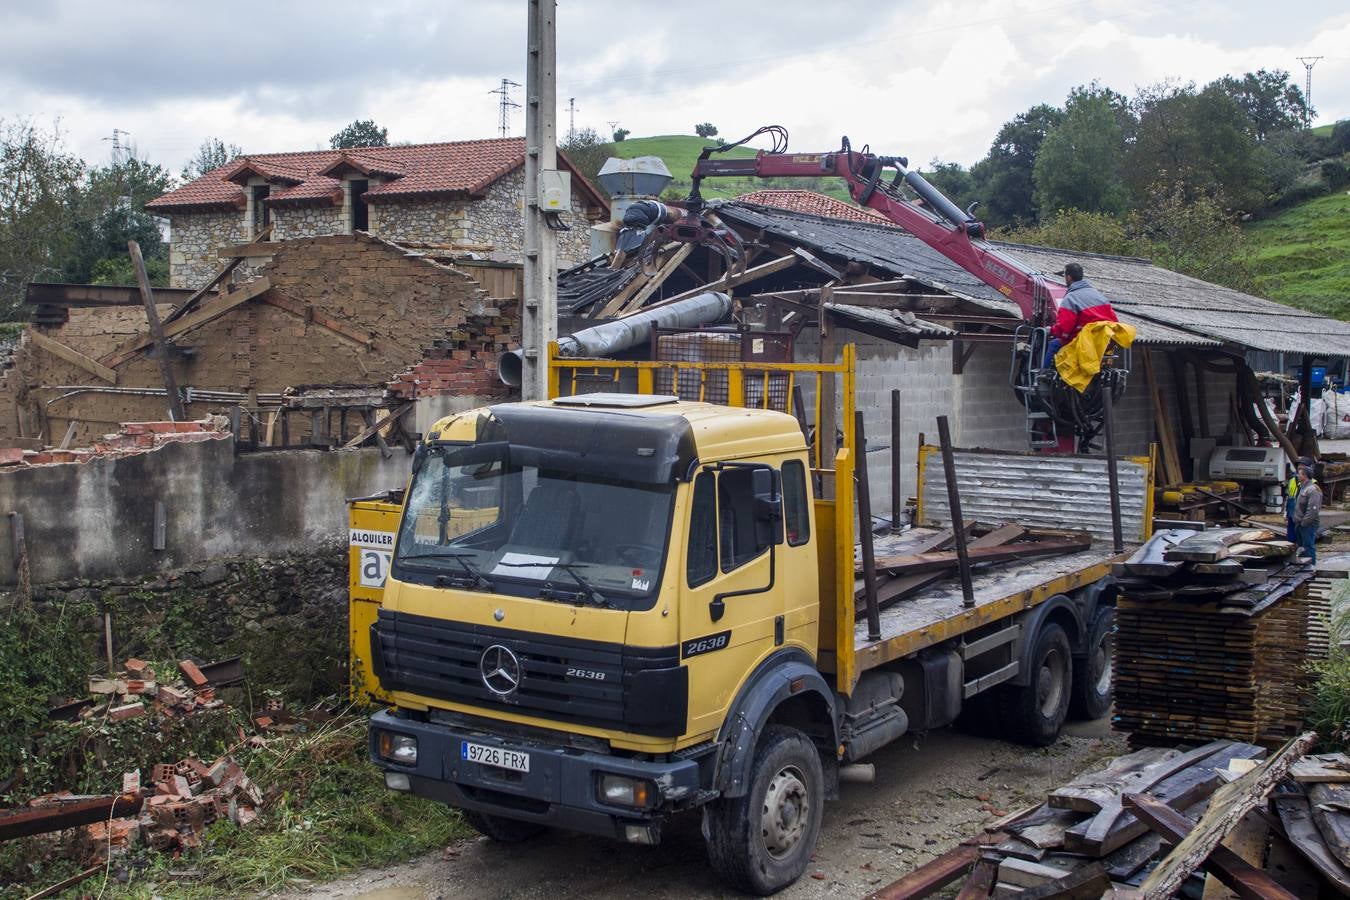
[[766, 487]]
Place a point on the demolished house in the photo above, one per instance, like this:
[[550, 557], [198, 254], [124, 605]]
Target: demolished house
[[943, 338]]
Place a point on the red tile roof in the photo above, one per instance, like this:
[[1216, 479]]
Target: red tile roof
[[814, 204], [460, 168]]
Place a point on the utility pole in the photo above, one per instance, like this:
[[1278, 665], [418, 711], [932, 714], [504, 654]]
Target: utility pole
[[571, 119], [504, 106], [613, 124], [1308, 63], [539, 316]]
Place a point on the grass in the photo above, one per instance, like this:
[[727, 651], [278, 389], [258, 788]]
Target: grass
[[326, 813], [1303, 255], [680, 152]]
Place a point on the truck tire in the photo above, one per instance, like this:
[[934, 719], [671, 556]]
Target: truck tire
[[1034, 714], [506, 831], [762, 842], [1093, 682]]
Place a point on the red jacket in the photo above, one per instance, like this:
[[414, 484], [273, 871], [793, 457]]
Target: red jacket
[[1081, 305]]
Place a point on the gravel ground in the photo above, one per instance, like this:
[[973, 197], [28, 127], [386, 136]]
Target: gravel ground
[[930, 792]]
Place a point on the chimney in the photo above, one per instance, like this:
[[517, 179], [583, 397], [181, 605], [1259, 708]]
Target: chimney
[[627, 180]]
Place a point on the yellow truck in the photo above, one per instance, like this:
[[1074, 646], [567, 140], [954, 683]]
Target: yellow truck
[[651, 610]]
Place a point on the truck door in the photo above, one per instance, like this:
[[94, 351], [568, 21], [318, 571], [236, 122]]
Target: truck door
[[722, 638]]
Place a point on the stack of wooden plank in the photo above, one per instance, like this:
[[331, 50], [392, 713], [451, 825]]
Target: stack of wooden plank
[[1314, 808], [1212, 639], [915, 559], [1139, 827]]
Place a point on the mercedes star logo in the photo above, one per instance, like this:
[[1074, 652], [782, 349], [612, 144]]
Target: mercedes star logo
[[500, 670]]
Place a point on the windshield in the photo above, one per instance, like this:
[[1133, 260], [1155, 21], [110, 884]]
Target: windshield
[[477, 519]]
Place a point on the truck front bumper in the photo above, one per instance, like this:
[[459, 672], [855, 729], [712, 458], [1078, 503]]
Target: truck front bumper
[[560, 790]]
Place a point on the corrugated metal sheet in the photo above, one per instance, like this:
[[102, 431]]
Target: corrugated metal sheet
[[1042, 490], [887, 324]]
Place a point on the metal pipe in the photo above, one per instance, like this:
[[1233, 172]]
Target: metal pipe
[[707, 308], [958, 521], [936, 199], [858, 773], [1112, 477]]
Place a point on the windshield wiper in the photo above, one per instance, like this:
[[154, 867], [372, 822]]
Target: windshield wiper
[[592, 594], [477, 578]]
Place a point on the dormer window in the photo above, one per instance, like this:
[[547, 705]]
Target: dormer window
[[360, 220], [262, 213]]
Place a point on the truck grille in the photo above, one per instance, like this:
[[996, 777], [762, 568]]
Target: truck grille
[[569, 680]]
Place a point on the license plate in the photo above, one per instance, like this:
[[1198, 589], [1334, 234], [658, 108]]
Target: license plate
[[495, 756]]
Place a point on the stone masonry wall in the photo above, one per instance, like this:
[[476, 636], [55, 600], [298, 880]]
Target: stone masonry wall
[[195, 240], [290, 222], [287, 617], [497, 220], [437, 221]]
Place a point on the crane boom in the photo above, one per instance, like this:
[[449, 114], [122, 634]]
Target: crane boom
[[941, 224]]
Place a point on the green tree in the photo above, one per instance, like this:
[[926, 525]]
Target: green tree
[[39, 182], [361, 133], [587, 152], [212, 154], [953, 179], [1196, 236], [621, 134], [109, 211], [705, 130], [1073, 229], [1269, 100], [1080, 162], [1201, 143], [1003, 179]]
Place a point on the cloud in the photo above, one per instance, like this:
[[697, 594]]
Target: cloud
[[918, 79]]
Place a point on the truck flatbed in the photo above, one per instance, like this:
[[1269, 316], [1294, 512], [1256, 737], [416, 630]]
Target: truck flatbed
[[937, 613]]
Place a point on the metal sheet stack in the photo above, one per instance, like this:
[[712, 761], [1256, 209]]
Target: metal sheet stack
[[1212, 638]]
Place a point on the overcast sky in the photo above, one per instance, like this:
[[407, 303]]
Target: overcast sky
[[928, 79]]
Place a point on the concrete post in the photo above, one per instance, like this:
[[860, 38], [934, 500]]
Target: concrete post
[[539, 313]]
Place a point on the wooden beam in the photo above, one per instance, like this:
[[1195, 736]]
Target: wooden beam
[[725, 282], [376, 426], [157, 334], [214, 309], [216, 279], [93, 295], [309, 314], [72, 356], [1231, 802], [619, 300], [244, 251], [1244, 878], [655, 282]]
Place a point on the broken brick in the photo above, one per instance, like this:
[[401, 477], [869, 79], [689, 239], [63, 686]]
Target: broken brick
[[192, 673], [11, 456], [161, 773], [138, 668], [170, 696], [129, 711], [103, 685], [131, 782]]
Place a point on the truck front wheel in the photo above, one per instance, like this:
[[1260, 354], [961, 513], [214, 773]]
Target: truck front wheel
[[1034, 714], [507, 831], [762, 841]]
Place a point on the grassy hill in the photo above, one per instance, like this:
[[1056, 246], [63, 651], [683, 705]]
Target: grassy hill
[[680, 152], [1303, 255]]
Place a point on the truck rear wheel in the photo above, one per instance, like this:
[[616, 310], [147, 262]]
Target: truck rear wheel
[[1034, 714], [1093, 684], [507, 831], [762, 841]]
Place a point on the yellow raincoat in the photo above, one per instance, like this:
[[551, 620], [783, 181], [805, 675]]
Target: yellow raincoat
[[1079, 361]]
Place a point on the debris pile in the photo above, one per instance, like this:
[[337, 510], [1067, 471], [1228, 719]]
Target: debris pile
[[1213, 638], [1147, 823], [136, 692], [169, 815]]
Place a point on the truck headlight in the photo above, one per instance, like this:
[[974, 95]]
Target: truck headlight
[[621, 790], [398, 748]]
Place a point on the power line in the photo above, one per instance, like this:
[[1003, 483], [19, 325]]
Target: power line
[[504, 106], [1308, 63]]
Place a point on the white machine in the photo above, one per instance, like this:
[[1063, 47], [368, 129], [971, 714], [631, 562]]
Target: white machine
[[1262, 466]]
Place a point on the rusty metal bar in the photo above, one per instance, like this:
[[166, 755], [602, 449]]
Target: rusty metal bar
[[869, 559], [66, 814], [895, 460], [954, 502], [1112, 475]]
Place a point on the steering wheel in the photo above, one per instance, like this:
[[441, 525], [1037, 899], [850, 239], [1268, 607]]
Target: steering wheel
[[638, 554]]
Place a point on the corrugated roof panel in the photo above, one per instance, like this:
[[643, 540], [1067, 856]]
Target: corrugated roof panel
[[1037, 489]]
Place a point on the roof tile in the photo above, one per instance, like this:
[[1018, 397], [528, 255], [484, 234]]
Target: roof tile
[[814, 204]]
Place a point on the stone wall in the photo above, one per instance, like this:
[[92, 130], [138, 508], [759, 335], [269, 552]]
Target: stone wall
[[290, 222], [497, 220], [287, 617], [438, 221], [194, 242]]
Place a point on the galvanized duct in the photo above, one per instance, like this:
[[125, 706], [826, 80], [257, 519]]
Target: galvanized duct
[[1040, 490], [707, 308]]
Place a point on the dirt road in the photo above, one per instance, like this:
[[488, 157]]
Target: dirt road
[[929, 793]]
